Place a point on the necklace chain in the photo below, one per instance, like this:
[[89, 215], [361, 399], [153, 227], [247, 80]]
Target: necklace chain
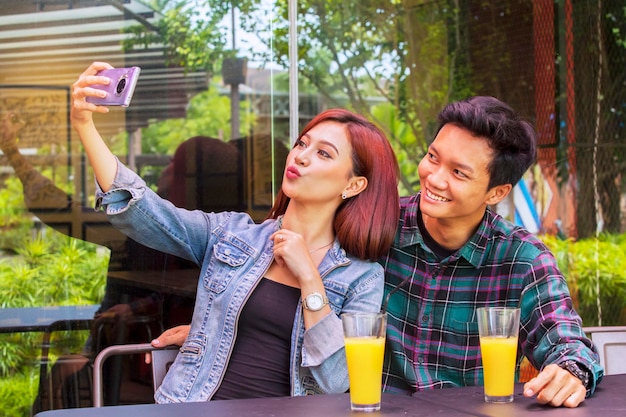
[[280, 226], [321, 247]]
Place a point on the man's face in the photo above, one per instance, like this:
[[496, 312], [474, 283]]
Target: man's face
[[454, 177]]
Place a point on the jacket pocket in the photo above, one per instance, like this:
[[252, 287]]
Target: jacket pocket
[[227, 259], [310, 386], [193, 349], [182, 375]]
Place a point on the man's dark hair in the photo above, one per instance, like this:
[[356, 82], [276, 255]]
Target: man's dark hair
[[512, 138]]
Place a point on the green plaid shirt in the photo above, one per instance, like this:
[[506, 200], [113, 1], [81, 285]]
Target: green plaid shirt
[[432, 336]]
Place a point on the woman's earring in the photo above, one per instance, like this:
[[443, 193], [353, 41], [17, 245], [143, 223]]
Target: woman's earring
[[344, 196]]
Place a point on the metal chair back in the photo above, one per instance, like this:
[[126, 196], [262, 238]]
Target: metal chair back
[[161, 361], [611, 344]]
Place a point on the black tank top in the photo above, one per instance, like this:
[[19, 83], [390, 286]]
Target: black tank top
[[259, 364]]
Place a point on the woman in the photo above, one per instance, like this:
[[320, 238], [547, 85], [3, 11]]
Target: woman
[[266, 319]]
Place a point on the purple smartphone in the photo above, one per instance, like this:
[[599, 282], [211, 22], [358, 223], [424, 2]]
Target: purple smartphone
[[120, 89]]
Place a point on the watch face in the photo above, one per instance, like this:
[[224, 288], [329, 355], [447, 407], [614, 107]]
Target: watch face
[[314, 302]]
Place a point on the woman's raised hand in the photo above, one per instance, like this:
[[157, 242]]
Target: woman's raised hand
[[100, 157], [81, 110]]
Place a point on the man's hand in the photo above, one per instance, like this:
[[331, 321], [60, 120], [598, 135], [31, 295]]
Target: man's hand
[[174, 336], [557, 387]]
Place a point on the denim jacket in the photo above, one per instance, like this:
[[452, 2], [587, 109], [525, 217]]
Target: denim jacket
[[234, 253]]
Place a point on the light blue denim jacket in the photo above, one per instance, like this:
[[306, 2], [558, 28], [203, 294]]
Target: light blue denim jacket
[[234, 253]]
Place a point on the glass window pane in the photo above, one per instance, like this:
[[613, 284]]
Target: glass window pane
[[207, 128]]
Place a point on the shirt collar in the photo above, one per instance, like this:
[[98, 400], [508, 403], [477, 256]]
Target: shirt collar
[[474, 250], [408, 229]]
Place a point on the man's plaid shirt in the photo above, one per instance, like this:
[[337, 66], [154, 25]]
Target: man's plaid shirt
[[432, 336]]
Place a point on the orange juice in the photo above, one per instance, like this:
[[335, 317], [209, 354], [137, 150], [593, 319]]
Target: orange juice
[[498, 354], [365, 365]]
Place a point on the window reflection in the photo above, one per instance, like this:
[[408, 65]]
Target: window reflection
[[177, 133]]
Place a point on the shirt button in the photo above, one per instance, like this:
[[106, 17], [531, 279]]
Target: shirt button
[[420, 360], [424, 319]]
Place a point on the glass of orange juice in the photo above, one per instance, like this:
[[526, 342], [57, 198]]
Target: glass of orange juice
[[498, 328], [364, 336]]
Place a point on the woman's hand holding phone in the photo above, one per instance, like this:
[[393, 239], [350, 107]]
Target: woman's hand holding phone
[[84, 90], [120, 88]]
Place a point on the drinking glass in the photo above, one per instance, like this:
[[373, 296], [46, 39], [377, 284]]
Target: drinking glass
[[498, 329], [364, 336]]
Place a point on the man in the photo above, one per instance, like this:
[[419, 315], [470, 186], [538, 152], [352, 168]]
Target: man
[[452, 254]]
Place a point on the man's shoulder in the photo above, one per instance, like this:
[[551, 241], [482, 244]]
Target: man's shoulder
[[409, 207], [498, 225], [407, 233], [505, 235], [409, 202]]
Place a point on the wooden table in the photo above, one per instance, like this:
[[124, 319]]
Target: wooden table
[[609, 400]]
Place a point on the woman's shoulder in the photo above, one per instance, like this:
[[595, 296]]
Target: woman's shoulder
[[361, 268], [240, 224], [359, 277]]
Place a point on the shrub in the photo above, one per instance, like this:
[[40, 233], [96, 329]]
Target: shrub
[[55, 270], [595, 270]]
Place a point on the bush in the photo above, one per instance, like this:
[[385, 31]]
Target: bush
[[595, 270], [18, 392], [50, 270]]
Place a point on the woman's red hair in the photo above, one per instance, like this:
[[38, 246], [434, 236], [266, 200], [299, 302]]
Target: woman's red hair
[[365, 224]]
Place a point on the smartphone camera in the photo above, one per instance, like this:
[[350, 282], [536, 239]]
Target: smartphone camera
[[121, 84], [120, 90]]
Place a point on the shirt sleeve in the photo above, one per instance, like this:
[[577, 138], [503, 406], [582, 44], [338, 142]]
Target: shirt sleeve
[[138, 212], [323, 350], [322, 340], [551, 329]]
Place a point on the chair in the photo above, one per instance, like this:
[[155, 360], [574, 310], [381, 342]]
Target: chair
[[147, 322], [161, 361], [114, 331], [51, 392], [611, 344]]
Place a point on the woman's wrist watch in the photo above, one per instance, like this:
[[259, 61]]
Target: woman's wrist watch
[[314, 301]]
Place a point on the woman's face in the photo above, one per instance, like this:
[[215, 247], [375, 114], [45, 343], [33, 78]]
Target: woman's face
[[319, 166]]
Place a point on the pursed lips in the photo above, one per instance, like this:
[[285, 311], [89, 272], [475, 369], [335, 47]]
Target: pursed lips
[[292, 172]]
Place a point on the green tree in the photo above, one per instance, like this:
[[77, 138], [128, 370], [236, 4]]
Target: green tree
[[207, 115], [354, 55], [363, 53], [192, 37], [601, 115]]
